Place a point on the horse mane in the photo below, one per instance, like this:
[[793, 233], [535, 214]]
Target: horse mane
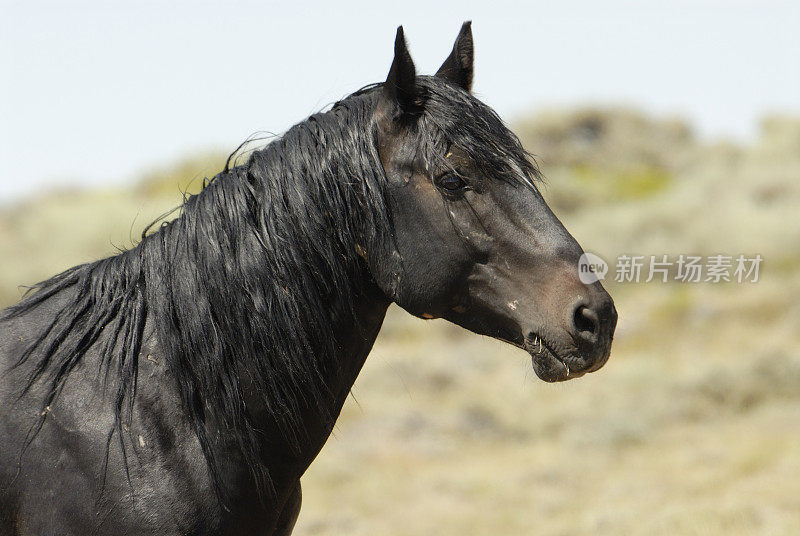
[[246, 284]]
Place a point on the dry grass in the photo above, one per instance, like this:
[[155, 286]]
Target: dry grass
[[693, 427]]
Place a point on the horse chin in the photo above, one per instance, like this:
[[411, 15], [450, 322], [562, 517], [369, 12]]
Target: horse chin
[[547, 364]]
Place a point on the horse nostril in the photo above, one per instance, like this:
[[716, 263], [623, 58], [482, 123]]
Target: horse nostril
[[586, 323]]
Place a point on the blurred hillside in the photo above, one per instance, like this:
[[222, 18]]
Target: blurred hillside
[[693, 427]]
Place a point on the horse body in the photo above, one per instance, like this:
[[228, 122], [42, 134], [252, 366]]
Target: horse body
[[184, 386], [56, 490], [75, 480]]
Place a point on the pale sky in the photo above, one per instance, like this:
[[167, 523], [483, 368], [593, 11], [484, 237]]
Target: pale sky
[[97, 92]]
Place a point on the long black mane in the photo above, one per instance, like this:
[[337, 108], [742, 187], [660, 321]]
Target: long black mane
[[244, 288]]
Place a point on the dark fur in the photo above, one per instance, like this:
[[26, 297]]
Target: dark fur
[[245, 285], [220, 350]]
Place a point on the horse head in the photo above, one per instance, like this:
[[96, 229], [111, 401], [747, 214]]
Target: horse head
[[473, 240]]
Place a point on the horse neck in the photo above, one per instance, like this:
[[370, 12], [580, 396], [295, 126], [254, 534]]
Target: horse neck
[[357, 343], [247, 302]]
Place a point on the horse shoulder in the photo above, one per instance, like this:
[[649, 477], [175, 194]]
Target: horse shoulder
[[149, 477]]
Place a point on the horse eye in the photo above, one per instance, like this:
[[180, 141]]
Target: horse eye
[[452, 183]]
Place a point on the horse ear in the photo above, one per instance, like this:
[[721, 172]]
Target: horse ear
[[400, 85], [457, 68]]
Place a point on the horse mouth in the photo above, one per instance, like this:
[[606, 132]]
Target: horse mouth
[[548, 364]]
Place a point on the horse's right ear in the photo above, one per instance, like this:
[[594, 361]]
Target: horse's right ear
[[399, 89], [457, 68]]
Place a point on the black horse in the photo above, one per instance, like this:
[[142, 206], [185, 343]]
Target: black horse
[[185, 385]]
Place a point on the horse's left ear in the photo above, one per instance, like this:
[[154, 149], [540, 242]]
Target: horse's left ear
[[457, 68], [400, 86]]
